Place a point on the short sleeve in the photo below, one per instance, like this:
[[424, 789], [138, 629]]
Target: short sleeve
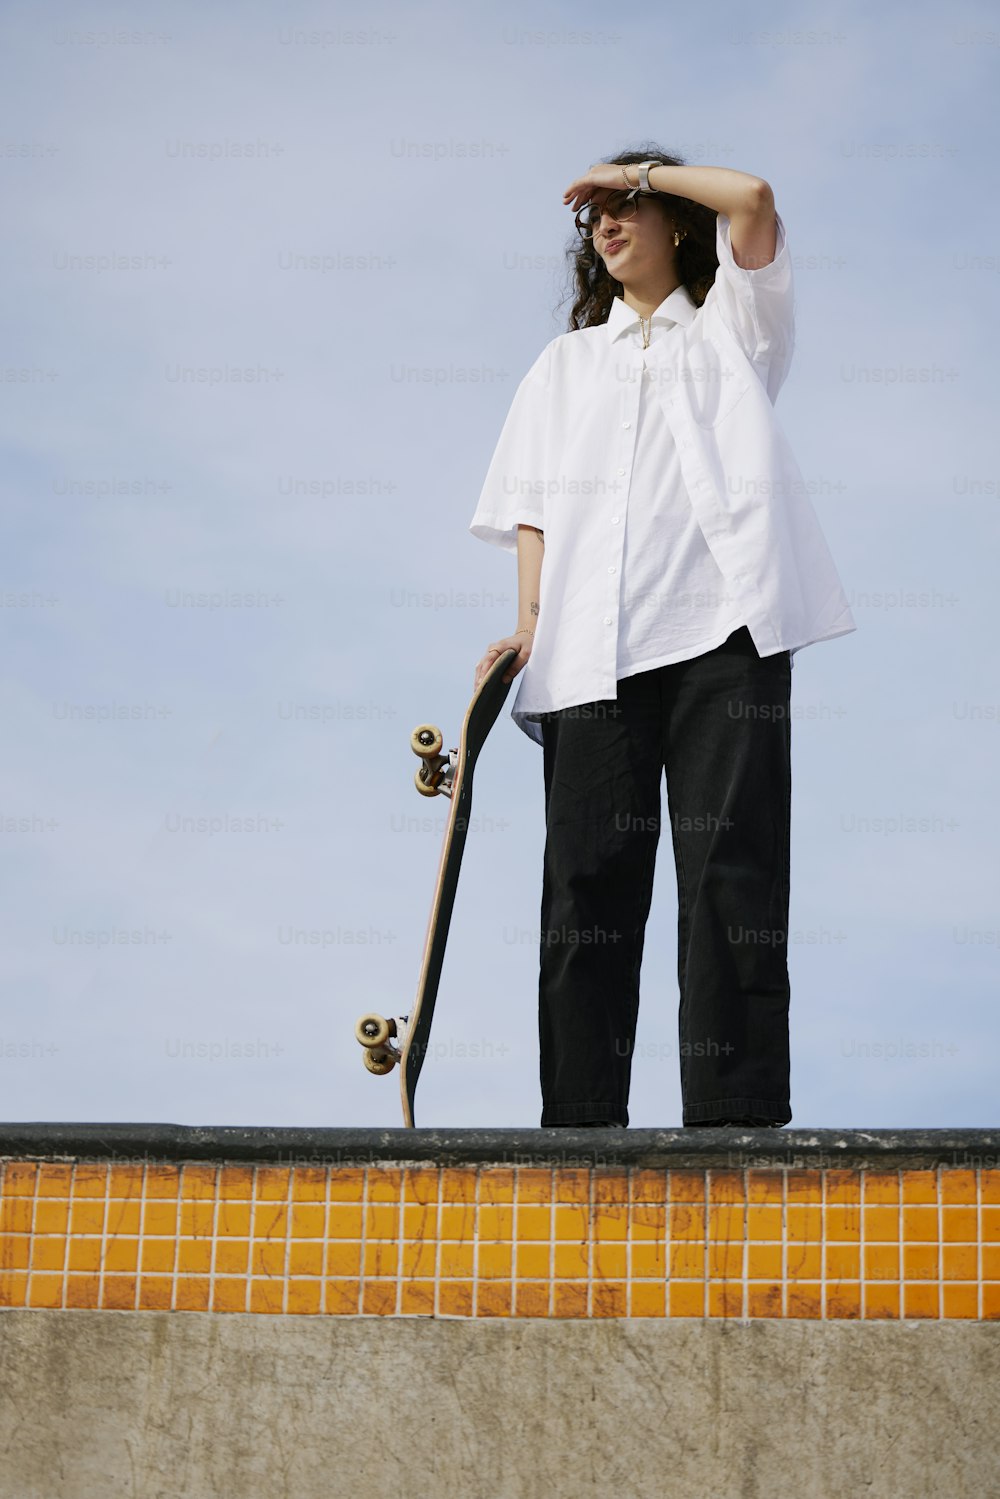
[[513, 493], [757, 306]]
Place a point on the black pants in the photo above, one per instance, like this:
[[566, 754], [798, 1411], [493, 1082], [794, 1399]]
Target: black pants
[[720, 726]]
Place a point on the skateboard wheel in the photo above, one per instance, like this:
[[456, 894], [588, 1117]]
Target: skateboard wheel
[[427, 787], [374, 1031], [379, 1062], [426, 739]]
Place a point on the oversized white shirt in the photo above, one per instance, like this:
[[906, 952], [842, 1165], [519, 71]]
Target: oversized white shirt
[[567, 460]]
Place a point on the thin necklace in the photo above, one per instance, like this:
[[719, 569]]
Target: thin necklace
[[646, 324]]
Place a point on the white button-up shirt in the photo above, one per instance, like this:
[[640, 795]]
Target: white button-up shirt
[[567, 458]]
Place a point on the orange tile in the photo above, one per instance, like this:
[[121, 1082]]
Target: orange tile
[[458, 1184], [194, 1258], [648, 1301], [920, 1261], [534, 1184], [881, 1301], [843, 1299], [378, 1298], [725, 1299], [457, 1260], [420, 1221], [343, 1297], [532, 1261], [765, 1186], [804, 1187], [83, 1292], [494, 1301], [648, 1220], [687, 1259], [496, 1223], [649, 1260], [13, 1288], [270, 1221], [197, 1218], [232, 1256], [960, 1301], [382, 1258], [686, 1298], [571, 1261], [991, 1302], [572, 1223], [344, 1222], [804, 1262], [989, 1186], [959, 1225], [123, 1217], [881, 1225], [764, 1262], [725, 1260], [805, 1299], [236, 1183], [158, 1254], [725, 1222], [52, 1217], [54, 1179], [843, 1224], [958, 1187], [419, 1261], [920, 1186], [687, 1186], [267, 1296], [385, 1184], [803, 1222], [119, 1293], [84, 1254], [725, 1186], [266, 1259], [920, 1224], [309, 1185], [233, 1220], [649, 1186], [308, 1220], [530, 1299], [86, 1217], [197, 1182], [991, 1224], [990, 1261], [347, 1184], [158, 1218], [765, 1222], [162, 1180], [609, 1300], [304, 1297], [155, 1293], [416, 1298], [881, 1187], [15, 1252], [456, 1222], [959, 1262], [192, 1295], [305, 1259], [842, 1186], [843, 1261], [765, 1299], [534, 1222], [920, 1301], [421, 1184], [610, 1262], [569, 1301], [610, 1186], [15, 1215], [90, 1179], [881, 1261], [687, 1222], [497, 1185], [494, 1261], [122, 1254], [48, 1254], [610, 1222], [572, 1186], [20, 1178]]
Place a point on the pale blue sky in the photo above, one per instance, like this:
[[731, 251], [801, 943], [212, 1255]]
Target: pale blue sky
[[438, 144]]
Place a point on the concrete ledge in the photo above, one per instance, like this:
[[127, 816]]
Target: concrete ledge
[[152, 1404], [962, 1149]]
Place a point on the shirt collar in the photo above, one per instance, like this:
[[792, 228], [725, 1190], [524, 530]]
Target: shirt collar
[[678, 307]]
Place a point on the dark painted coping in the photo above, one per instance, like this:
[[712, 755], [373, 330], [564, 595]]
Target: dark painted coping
[[732, 1148]]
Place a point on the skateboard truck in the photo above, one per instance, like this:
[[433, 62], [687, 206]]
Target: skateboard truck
[[436, 775], [375, 1033]]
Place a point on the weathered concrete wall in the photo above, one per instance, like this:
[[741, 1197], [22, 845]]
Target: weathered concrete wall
[[161, 1405]]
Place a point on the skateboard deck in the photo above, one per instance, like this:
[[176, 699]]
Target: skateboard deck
[[450, 774]]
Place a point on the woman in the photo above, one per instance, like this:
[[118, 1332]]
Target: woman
[[669, 566]]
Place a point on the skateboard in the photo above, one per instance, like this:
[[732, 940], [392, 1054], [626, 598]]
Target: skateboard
[[401, 1041]]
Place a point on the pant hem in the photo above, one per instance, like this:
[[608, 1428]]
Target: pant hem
[[569, 1114], [767, 1111]]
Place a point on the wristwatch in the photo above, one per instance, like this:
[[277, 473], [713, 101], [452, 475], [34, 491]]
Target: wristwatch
[[644, 185]]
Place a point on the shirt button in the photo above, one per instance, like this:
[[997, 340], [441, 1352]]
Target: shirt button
[[626, 424], [612, 569], [621, 470], [615, 519], [608, 620]]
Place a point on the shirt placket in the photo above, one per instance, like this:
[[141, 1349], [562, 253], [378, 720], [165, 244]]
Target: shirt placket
[[623, 462]]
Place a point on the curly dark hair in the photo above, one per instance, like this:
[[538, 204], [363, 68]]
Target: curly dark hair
[[592, 283]]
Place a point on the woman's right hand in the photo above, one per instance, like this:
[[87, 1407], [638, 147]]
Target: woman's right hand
[[521, 643]]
